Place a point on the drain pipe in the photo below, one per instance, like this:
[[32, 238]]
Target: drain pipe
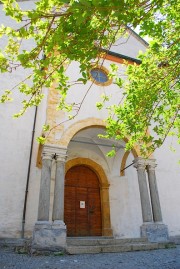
[[28, 174]]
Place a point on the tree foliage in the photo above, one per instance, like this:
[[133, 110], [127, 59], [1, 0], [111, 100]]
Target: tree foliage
[[77, 30]]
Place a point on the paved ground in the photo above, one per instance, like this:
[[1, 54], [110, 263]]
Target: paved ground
[[156, 259]]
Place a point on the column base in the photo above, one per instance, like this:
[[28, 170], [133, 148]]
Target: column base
[[49, 235], [155, 232]]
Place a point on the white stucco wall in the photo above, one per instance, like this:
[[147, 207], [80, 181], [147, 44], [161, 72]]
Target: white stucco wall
[[92, 94], [14, 158], [168, 179], [130, 45], [15, 141]]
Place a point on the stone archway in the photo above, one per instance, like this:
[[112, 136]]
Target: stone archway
[[84, 124], [104, 190], [124, 159], [73, 129], [78, 126], [70, 132]]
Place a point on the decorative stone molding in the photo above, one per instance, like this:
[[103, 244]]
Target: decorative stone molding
[[68, 134], [47, 156], [105, 70], [50, 152], [123, 163], [49, 149], [61, 154], [140, 163], [93, 165], [54, 116], [151, 164], [124, 159], [39, 156], [47, 152]]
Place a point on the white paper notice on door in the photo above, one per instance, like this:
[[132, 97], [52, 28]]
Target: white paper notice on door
[[82, 204]]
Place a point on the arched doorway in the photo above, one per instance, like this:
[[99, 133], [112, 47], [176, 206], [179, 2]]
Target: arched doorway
[[82, 211]]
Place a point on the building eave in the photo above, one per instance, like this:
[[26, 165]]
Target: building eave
[[121, 56]]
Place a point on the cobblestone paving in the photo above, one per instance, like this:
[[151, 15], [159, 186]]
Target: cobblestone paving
[[156, 259]]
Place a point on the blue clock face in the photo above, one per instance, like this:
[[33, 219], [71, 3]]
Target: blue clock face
[[99, 75]]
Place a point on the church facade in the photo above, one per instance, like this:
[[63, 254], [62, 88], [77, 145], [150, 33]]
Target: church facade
[[69, 187]]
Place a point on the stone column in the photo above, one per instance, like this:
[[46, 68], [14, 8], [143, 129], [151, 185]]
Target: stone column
[[140, 165], [153, 231], [44, 195], [58, 205], [50, 234], [156, 208]]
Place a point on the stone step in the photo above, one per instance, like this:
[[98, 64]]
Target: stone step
[[99, 241], [89, 249], [85, 245]]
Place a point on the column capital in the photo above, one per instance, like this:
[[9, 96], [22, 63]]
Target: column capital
[[60, 158], [51, 151], [139, 163], [151, 164], [47, 153], [60, 154]]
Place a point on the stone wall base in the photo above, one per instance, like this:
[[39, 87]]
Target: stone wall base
[[155, 232], [49, 235]]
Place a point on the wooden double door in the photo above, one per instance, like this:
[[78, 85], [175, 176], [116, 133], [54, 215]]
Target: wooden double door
[[82, 211]]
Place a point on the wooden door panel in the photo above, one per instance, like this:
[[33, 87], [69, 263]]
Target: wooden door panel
[[81, 213], [95, 225], [82, 185]]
